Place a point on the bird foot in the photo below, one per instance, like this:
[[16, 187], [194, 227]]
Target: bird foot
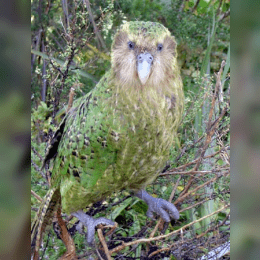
[[90, 223], [165, 209]]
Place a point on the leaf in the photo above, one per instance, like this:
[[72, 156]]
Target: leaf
[[119, 209], [99, 53], [60, 62], [135, 228], [227, 66], [206, 59]]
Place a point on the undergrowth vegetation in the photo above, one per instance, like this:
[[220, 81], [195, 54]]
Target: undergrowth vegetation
[[71, 52]]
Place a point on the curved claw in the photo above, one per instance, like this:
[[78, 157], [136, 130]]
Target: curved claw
[[165, 209], [91, 223]]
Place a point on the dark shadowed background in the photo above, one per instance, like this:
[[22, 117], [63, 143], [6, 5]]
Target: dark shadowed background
[[14, 129], [245, 129]]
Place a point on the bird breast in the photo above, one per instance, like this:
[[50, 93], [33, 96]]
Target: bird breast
[[141, 129]]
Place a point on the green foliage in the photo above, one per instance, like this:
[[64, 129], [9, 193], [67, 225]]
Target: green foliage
[[142, 10], [38, 119], [91, 61]]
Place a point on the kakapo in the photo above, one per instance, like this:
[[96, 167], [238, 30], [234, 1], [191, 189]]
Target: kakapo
[[117, 136]]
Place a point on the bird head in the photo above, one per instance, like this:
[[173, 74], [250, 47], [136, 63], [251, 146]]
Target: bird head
[[144, 54]]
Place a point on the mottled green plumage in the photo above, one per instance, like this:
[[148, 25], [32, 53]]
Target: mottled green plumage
[[118, 136]]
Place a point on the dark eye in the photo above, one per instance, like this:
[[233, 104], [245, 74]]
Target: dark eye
[[159, 47], [131, 45]]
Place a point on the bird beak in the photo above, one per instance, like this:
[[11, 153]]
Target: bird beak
[[144, 62]]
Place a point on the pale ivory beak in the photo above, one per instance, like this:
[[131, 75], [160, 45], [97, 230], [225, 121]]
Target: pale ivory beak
[[144, 61]]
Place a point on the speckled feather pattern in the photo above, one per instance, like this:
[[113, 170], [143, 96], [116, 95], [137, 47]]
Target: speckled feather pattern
[[118, 136]]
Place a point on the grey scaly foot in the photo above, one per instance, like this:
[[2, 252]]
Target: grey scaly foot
[[165, 209], [90, 223]]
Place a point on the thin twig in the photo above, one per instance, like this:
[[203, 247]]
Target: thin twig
[[195, 6], [193, 162], [191, 172], [66, 238], [174, 189], [146, 240], [98, 36], [218, 10], [209, 131], [37, 168], [181, 9], [212, 229], [34, 209], [104, 244], [36, 152], [71, 95], [197, 237], [36, 196], [195, 205], [223, 16], [181, 198]]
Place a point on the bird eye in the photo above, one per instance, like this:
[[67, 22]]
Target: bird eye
[[131, 45], [159, 47]]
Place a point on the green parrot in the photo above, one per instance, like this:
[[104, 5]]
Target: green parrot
[[119, 135]]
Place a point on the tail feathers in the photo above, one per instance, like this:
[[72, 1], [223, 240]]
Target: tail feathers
[[43, 219]]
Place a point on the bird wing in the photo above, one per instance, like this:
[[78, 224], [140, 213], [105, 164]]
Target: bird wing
[[79, 146]]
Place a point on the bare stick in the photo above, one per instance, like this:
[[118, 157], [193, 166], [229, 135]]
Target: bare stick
[[71, 95], [66, 238], [203, 234], [180, 199], [195, 6], [146, 240], [99, 38], [36, 196], [223, 16], [104, 244]]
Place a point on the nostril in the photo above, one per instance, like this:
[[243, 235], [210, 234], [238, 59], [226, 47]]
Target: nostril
[[145, 56], [140, 58], [150, 58]]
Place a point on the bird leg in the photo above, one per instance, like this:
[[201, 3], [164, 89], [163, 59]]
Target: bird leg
[[90, 223], [165, 209]]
